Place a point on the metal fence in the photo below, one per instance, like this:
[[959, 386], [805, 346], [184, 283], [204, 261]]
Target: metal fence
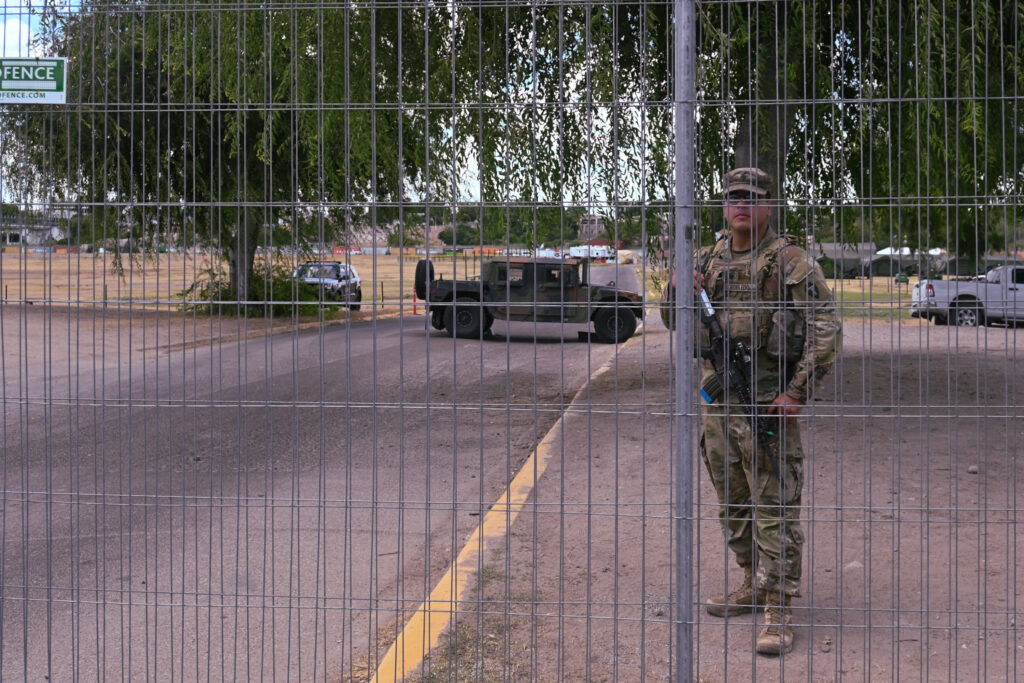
[[217, 468]]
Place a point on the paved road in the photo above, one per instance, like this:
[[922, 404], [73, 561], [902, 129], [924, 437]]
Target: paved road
[[253, 507]]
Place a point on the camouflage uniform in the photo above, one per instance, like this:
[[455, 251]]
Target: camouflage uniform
[[776, 300]]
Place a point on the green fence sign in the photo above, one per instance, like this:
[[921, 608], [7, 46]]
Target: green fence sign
[[33, 81]]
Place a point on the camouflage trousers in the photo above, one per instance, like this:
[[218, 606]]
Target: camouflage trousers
[[760, 528]]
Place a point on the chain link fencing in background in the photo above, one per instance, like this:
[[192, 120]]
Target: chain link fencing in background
[[221, 465]]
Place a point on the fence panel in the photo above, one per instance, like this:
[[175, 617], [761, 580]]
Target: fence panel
[[319, 358]]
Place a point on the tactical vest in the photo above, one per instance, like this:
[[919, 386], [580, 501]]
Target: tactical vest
[[760, 281]]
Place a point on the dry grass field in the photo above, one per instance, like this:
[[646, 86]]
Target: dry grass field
[[161, 279]]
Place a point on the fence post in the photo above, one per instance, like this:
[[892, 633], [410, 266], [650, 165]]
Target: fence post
[[685, 420]]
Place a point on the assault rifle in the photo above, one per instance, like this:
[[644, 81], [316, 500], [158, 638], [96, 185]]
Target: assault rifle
[[733, 363]]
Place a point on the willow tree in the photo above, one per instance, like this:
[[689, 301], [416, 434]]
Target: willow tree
[[943, 133], [899, 118], [208, 125]]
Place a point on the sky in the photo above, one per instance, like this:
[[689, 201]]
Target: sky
[[16, 21], [14, 15]]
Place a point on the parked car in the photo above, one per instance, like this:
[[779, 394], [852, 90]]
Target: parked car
[[998, 296], [339, 281]]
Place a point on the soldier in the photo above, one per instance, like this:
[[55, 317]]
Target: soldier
[[771, 294]]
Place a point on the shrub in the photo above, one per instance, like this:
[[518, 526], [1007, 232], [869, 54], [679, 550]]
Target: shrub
[[272, 294]]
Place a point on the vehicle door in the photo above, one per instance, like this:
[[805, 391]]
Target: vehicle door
[[513, 291], [1013, 293], [557, 292]]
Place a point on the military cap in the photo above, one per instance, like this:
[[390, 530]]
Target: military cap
[[747, 180]]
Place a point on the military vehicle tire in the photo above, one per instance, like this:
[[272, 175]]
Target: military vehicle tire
[[463, 321], [356, 305], [424, 274], [437, 318], [614, 325]]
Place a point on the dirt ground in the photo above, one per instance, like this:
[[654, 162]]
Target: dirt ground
[[911, 514]]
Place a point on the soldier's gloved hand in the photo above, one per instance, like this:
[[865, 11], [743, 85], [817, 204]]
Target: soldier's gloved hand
[[698, 283], [786, 406]]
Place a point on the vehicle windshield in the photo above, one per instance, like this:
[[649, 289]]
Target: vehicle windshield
[[321, 271]]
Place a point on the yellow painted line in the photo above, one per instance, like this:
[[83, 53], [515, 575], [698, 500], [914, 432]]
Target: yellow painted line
[[423, 632]]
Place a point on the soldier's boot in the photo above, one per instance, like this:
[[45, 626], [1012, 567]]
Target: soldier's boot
[[776, 638], [740, 601]]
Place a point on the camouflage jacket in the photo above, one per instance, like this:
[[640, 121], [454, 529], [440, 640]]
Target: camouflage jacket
[[775, 299]]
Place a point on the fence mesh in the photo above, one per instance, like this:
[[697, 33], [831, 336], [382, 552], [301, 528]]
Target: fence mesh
[[335, 340]]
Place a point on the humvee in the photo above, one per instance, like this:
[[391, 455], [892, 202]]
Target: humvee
[[527, 289]]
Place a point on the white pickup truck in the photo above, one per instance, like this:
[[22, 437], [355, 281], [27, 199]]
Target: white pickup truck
[[996, 297]]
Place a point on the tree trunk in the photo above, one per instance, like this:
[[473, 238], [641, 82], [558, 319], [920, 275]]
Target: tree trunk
[[762, 135], [763, 132], [242, 257]]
